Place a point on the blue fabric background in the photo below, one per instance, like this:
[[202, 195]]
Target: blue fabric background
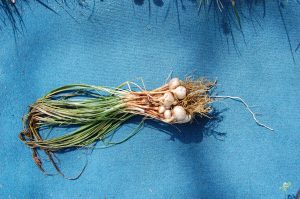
[[121, 42]]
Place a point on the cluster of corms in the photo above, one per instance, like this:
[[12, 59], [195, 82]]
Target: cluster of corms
[[169, 109]]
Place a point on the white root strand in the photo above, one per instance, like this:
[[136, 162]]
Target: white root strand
[[247, 107]]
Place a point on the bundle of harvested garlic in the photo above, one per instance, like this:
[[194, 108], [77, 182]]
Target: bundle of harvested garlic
[[98, 111]]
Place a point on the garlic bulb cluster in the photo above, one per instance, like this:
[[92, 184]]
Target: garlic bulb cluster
[[169, 110]]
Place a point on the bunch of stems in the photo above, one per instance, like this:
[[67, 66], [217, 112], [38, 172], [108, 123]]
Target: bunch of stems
[[99, 111]]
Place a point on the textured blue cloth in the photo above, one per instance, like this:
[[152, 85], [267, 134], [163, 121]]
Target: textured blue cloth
[[120, 41]]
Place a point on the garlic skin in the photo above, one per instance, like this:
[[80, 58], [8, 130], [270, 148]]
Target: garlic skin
[[161, 109], [167, 114], [179, 113], [168, 99], [174, 83]]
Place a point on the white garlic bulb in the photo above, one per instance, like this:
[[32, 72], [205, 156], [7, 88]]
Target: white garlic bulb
[[168, 99], [180, 92], [174, 83], [179, 113], [167, 114], [161, 109], [187, 119]]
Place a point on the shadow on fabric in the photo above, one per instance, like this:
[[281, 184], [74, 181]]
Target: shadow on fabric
[[192, 132]]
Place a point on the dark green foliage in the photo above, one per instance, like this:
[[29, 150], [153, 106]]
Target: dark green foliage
[[11, 13]]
